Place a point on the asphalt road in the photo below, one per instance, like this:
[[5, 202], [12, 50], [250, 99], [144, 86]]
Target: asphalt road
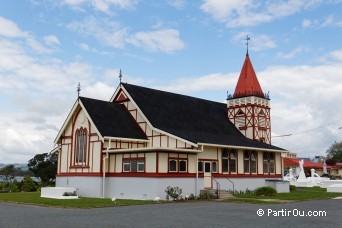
[[188, 214]]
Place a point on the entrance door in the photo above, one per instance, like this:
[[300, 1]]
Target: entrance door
[[207, 175]]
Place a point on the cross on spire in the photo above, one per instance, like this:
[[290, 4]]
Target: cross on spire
[[247, 39], [78, 89], [120, 75]]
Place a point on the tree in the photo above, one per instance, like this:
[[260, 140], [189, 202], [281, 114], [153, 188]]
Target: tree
[[44, 166], [8, 172], [335, 151], [27, 184]]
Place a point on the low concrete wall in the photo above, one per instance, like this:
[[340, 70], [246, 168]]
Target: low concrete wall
[[327, 183], [57, 192], [335, 188]]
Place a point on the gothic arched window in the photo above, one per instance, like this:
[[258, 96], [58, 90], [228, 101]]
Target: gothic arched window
[[268, 162], [250, 161], [81, 146]]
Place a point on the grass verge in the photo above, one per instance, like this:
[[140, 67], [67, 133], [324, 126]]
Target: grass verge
[[300, 194], [35, 199]]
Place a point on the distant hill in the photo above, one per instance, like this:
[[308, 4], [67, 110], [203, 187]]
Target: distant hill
[[17, 166]]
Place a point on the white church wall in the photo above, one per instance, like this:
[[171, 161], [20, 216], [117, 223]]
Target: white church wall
[[147, 188], [150, 162], [85, 186], [163, 162]]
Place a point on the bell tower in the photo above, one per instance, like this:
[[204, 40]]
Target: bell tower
[[249, 108]]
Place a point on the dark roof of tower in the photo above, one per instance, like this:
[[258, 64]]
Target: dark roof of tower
[[193, 119], [112, 119], [248, 84]]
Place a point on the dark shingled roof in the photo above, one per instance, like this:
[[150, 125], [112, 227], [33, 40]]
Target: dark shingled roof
[[112, 119], [193, 119]]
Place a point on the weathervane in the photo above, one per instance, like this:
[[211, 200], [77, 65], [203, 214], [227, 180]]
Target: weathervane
[[247, 39], [78, 89], [120, 76]]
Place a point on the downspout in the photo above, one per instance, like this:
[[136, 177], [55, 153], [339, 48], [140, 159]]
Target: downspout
[[104, 169], [196, 190]]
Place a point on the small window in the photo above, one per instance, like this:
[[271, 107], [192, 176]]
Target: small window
[[133, 165], [214, 167], [141, 165], [200, 166], [172, 166], [126, 166], [182, 166]]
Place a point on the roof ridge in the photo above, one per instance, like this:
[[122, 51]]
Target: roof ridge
[[178, 94]]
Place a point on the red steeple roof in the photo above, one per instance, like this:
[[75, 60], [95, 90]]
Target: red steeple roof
[[248, 84]]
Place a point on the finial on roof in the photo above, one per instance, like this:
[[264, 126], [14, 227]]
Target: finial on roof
[[247, 39], [78, 89], [120, 75]]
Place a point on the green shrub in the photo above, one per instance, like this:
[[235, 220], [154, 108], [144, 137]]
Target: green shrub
[[207, 195], [28, 185], [192, 197], [174, 193], [293, 188], [14, 186], [265, 191]]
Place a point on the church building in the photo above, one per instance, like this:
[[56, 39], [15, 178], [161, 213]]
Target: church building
[[143, 140]]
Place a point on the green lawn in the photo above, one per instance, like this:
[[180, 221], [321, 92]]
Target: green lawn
[[298, 195], [34, 198]]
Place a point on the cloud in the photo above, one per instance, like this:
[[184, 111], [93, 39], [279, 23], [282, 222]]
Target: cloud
[[306, 23], [290, 55], [237, 13], [9, 29], [213, 81], [109, 33], [258, 42], [40, 92], [167, 40], [51, 40], [101, 5], [113, 34], [178, 4], [328, 21]]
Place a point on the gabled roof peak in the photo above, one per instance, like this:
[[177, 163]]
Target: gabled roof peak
[[248, 84]]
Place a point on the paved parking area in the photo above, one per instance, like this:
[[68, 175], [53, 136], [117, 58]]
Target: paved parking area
[[187, 214]]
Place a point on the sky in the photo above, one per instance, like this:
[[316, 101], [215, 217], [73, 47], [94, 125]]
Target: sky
[[191, 47]]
